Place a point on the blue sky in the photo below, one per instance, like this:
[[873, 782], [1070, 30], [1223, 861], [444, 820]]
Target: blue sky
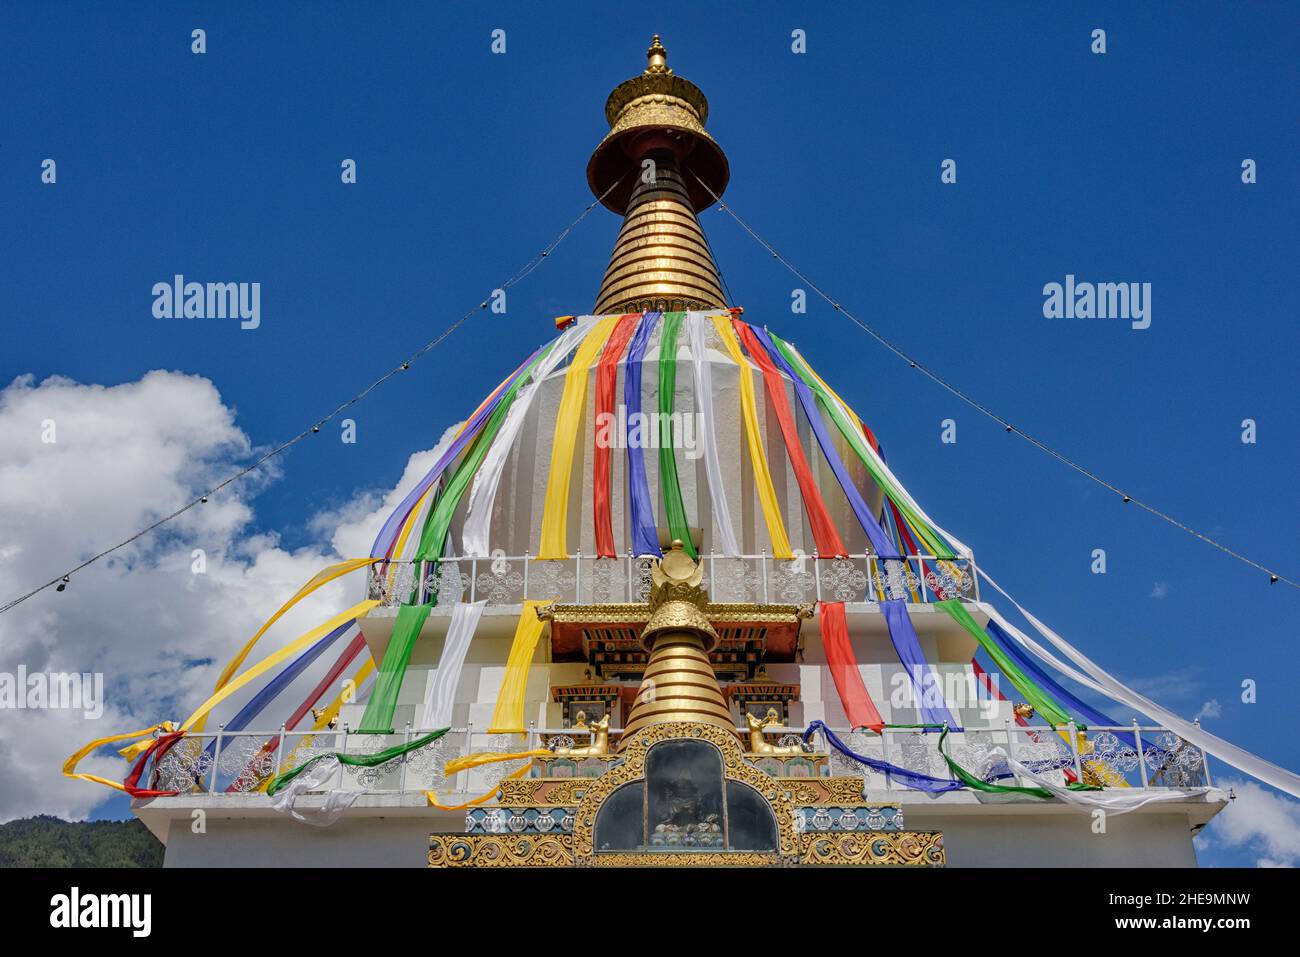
[[1117, 167]]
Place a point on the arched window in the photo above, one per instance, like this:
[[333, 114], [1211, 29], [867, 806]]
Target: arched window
[[685, 804]]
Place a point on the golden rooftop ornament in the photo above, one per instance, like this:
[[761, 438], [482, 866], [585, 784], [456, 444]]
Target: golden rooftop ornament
[[679, 683]]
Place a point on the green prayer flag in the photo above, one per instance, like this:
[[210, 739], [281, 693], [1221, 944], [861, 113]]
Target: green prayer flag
[[674, 507], [1050, 711], [358, 760], [857, 442], [378, 717], [979, 784], [434, 535]]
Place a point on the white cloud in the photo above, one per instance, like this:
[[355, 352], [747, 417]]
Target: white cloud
[[1159, 590], [1260, 821], [1172, 686], [122, 457], [352, 529], [1210, 709]]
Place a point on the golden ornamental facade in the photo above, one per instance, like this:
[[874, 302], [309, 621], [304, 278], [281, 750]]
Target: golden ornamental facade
[[680, 788]]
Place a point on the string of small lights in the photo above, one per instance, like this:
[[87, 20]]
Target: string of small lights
[[1273, 577], [61, 582]]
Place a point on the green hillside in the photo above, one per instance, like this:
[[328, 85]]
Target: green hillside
[[50, 842]]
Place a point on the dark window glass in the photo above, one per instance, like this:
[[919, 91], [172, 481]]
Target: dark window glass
[[685, 805], [620, 824], [751, 825], [685, 790]]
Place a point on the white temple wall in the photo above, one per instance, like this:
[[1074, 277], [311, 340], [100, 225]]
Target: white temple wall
[[976, 836], [1017, 838]]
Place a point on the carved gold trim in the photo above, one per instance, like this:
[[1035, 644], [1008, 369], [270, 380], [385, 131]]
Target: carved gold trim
[[533, 792], [684, 859], [897, 848], [837, 791], [876, 848], [639, 613], [649, 86], [493, 850]]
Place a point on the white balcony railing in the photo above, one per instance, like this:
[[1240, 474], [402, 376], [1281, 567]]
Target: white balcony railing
[[221, 762], [509, 580]]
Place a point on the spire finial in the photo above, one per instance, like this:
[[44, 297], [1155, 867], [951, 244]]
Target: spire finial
[[657, 57], [661, 260]]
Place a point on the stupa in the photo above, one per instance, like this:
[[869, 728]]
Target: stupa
[[662, 601]]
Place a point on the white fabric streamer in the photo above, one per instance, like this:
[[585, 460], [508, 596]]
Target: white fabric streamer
[[1239, 758], [724, 533], [961, 547], [483, 493], [1040, 651], [1112, 801], [320, 773], [1099, 680], [441, 696]]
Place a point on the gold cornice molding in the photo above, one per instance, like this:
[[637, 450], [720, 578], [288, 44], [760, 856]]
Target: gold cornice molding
[[634, 613]]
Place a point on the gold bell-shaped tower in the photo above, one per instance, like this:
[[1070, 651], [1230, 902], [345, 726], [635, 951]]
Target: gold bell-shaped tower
[[679, 684], [658, 168]]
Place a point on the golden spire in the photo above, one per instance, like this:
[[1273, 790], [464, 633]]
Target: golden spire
[[654, 157], [657, 57], [679, 683]]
